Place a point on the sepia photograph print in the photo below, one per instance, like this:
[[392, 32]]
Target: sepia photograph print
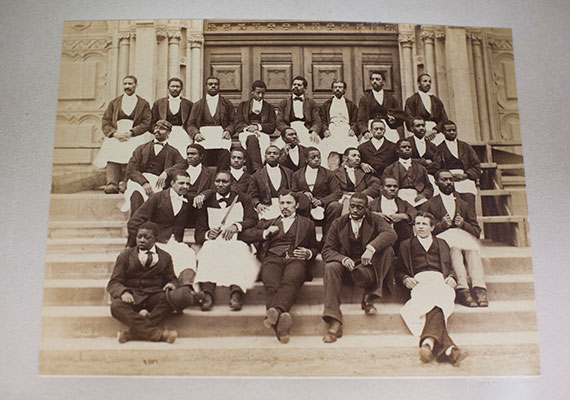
[[287, 198]]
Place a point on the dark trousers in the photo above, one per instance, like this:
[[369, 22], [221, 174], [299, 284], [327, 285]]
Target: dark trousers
[[210, 288], [219, 158], [145, 328], [115, 172], [436, 329], [136, 201], [282, 279], [254, 152], [335, 276]]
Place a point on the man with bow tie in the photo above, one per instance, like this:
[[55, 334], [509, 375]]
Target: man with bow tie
[[255, 121], [147, 167], [300, 113], [224, 259], [288, 243], [358, 250], [176, 110], [169, 209]]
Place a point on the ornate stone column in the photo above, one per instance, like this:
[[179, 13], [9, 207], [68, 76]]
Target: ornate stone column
[[428, 37], [124, 41], [479, 72], [174, 54], [440, 67], [406, 40], [196, 43], [145, 58]]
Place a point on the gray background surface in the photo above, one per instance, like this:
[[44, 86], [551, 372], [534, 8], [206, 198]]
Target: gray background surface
[[30, 37]]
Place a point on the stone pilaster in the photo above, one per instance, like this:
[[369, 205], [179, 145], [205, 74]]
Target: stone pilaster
[[195, 45], [428, 39], [476, 39], [406, 40], [145, 58]]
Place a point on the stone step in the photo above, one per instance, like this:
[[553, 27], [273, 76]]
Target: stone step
[[491, 353], [96, 321], [74, 292], [87, 229], [89, 205], [99, 264]]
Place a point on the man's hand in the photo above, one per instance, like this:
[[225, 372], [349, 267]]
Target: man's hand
[[286, 148], [450, 282], [122, 136], [214, 233], [314, 136], [366, 257], [251, 128], [198, 201], [348, 263], [199, 137], [161, 181], [327, 133], [366, 135], [351, 132], [387, 218], [128, 298], [147, 188], [309, 195], [459, 221], [229, 232], [432, 135], [460, 177], [447, 221], [226, 135], [419, 197], [170, 286], [400, 217], [270, 231], [302, 253], [410, 282], [391, 119], [317, 203], [261, 208], [367, 168]]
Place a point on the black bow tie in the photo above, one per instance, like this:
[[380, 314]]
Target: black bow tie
[[224, 199], [297, 98], [159, 143]]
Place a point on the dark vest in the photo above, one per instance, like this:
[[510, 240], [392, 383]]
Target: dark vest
[[155, 164], [292, 117], [254, 118], [349, 184], [174, 119], [282, 186], [210, 120], [122, 115], [375, 109], [355, 244], [406, 177], [423, 260], [450, 161], [283, 242]]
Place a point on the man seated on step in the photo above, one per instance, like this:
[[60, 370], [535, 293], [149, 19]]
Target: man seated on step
[[456, 223], [413, 182], [423, 150], [352, 178], [397, 212], [211, 124], [224, 259], [238, 170], [377, 153], [358, 250], [170, 210], [320, 187], [460, 158], [255, 121], [424, 267], [140, 279], [147, 167], [288, 243], [293, 155]]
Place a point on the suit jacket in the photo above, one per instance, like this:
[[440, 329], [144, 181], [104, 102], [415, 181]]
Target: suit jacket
[[365, 183], [326, 189], [352, 115], [405, 267], [267, 117], [419, 176], [415, 108], [130, 275], [367, 103], [202, 224], [259, 188], [139, 160], [403, 208], [310, 111], [432, 153], [435, 206], [141, 121], [285, 159], [158, 209], [378, 159], [204, 182], [160, 107], [241, 185], [225, 113], [471, 163]]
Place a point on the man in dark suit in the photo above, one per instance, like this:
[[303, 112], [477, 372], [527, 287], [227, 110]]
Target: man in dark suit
[[358, 250], [255, 122], [176, 110], [224, 261], [423, 150], [453, 216], [146, 169], [124, 123], [140, 278], [301, 113], [213, 112], [377, 153], [238, 170], [319, 186], [378, 104], [289, 242], [293, 155], [427, 106]]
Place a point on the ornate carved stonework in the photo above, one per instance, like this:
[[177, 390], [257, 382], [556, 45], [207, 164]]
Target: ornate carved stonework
[[241, 27], [501, 44], [86, 44], [440, 34], [427, 36], [161, 34], [174, 36], [406, 39], [196, 40]]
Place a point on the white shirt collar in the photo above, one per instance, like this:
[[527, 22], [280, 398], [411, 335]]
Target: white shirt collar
[[379, 96], [452, 146], [172, 98], [425, 242], [377, 143], [341, 100], [406, 163], [152, 250], [237, 173], [270, 168]]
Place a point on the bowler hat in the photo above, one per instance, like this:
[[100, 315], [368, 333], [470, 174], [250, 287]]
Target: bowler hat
[[363, 276], [181, 298]]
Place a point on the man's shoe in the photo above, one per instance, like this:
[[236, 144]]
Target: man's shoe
[[208, 302], [236, 301], [367, 306], [111, 188], [426, 353], [271, 317], [334, 331], [283, 327], [125, 336], [481, 296], [456, 356], [122, 186], [464, 298], [169, 336]]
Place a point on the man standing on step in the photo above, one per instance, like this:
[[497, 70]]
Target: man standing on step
[[424, 268], [456, 223], [212, 125], [140, 278], [124, 124], [176, 110], [288, 243], [358, 250]]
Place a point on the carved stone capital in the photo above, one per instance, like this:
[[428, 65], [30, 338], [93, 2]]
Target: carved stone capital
[[440, 35], [174, 37], [476, 38], [427, 36], [196, 40], [124, 37], [161, 34], [406, 39]]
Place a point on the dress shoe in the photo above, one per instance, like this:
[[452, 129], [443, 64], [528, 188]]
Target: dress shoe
[[481, 296], [122, 186], [334, 331], [271, 317], [283, 327], [456, 356], [111, 188], [367, 306], [464, 298], [236, 301], [426, 353], [208, 302], [169, 336], [125, 336]]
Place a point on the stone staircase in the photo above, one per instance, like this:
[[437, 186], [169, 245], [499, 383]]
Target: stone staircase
[[87, 231]]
